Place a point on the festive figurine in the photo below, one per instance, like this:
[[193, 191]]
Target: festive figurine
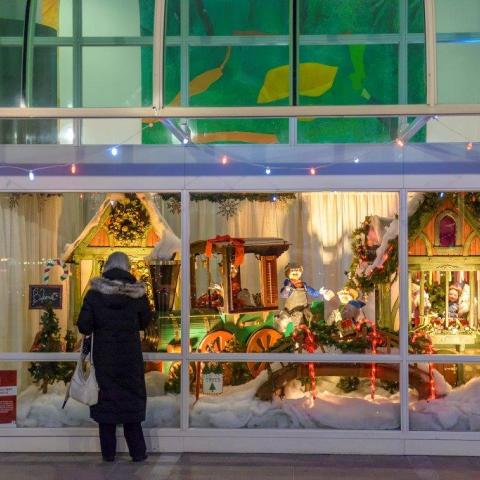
[[350, 313], [344, 296], [415, 314], [296, 293], [457, 306]]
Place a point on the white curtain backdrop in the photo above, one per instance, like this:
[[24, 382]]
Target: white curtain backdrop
[[318, 226], [34, 230]]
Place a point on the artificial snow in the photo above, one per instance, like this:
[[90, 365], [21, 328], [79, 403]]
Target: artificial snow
[[458, 411], [237, 407]]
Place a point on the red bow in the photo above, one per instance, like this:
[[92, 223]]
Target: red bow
[[236, 242]]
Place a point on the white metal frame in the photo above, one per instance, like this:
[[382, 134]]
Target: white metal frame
[[184, 438]]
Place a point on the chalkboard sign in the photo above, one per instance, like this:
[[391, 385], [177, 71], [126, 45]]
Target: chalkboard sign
[[40, 295]]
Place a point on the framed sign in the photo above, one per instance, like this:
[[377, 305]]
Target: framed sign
[[40, 295], [8, 398]]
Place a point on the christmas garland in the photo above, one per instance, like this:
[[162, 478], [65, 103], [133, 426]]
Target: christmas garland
[[129, 220], [380, 275], [228, 203]]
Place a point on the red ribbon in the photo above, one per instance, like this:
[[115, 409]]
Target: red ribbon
[[238, 243], [304, 334]]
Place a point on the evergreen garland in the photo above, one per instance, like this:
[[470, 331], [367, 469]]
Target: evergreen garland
[[383, 275], [223, 197]]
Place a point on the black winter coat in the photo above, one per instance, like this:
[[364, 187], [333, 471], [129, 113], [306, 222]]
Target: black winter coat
[[115, 309]]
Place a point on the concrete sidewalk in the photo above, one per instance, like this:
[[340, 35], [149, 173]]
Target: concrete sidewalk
[[199, 466]]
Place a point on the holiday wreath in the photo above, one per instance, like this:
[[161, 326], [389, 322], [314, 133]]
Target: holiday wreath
[[128, 220]]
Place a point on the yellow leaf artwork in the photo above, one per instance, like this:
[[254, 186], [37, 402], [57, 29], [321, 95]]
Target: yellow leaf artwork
[[203, 81], [315, 80]]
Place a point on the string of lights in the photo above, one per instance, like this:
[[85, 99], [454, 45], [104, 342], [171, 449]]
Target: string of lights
[[225, 160]]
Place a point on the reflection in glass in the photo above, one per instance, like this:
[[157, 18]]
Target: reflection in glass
[[281, 395]]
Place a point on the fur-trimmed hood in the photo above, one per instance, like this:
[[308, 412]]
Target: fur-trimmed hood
[[117, 287]]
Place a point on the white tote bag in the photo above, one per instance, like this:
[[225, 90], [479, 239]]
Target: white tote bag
[[84, 388]]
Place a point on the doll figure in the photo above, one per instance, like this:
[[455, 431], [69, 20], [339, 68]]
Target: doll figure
[[296, 293], [458, 305], [344, 296], [350, 314]]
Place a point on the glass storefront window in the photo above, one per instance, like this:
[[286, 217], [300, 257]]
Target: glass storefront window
[[444, 281], [42, 385], [66, 239], [451, 404], [457, 26], [265, 266], [293, 395]]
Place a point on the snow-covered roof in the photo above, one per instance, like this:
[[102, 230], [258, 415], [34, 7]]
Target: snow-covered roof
[[159, 224]]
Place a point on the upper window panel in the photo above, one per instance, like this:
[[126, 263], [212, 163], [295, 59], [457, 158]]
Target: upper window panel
[[324, 17], [97, 55], [12, 14], [458, 27], [104, 18], [310, 52], [231, 17], [54, 19]]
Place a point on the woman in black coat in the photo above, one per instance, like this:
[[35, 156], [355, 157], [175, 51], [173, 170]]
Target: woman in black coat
[[115, 309]]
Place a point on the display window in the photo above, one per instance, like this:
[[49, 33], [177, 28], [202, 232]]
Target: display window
[[444, 277], [294, 272], [37, 391], [53, 245], [295, 395], [452, 404]]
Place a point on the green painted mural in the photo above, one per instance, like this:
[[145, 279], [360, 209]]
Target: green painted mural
[[348, 53]]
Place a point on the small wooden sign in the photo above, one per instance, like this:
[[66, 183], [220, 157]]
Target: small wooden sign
[[40, 295]]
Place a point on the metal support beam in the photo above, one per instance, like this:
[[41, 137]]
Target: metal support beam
[[431, 51], [158, 39], [246, 112]]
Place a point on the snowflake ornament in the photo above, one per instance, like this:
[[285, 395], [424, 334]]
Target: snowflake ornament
[[228, 208]]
